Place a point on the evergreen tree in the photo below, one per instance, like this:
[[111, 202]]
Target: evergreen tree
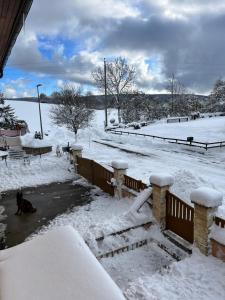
[[7, 115], [217, 97]]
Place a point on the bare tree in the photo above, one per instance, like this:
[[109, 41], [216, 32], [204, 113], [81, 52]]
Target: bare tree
[[71, 110], [119, 80], [177, 91]]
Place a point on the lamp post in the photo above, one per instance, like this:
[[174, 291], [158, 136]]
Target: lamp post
[[39, 102], [105, 83]]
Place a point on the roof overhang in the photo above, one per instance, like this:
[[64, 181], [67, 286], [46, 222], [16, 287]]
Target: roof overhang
[[12, 16]]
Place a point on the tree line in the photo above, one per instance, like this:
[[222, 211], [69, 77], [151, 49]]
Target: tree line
[[134, 105]]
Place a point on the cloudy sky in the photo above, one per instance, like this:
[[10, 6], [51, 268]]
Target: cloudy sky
[[64, 41]]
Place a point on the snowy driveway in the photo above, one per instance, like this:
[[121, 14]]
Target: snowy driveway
[[50, 200]]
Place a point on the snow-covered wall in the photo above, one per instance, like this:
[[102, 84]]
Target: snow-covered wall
[[57, 265]]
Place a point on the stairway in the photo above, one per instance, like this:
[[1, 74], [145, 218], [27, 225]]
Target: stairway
[[131, 239], [17, 153]]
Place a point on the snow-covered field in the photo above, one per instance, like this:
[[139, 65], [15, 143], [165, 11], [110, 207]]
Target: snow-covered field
[[200, 129], [191, 167], [146, 273]]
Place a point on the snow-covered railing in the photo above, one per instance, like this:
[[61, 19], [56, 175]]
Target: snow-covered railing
[[202, 145], [134, 184], [177, 120], [179, 217], [96, 174], [219, 222]]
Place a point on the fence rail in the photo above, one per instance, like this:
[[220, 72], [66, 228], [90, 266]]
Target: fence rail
[[179, 217], [219, 222], [202, 145], [136, 185], [102, 178], [96, 174]]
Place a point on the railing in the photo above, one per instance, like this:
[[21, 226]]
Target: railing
[[178, 119], [202, 145], [179, 217], [219, 222], [95, 173], [134, 184], [102, 178]]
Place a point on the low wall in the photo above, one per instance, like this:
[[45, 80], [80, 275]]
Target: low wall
[[37, 151]]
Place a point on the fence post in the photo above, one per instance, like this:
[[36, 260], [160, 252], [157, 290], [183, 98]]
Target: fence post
[[76, 151], [119, 169], [160, 184], [206, 202]]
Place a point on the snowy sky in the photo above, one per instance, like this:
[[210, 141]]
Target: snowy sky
[[66, 40]]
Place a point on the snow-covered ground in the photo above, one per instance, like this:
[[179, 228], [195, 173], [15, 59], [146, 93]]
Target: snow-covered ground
[[146, 273], [200, 129], [197, 277], [191, 167]]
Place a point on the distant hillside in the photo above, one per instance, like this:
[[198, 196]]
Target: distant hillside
[[97, 101]]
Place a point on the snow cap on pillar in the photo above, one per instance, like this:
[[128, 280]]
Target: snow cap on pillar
[[119, 164], [76, 147], [162, 179], [206, 197]]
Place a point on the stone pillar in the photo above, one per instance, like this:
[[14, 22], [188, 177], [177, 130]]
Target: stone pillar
[[160, 184], [120, 169], [206, 202], [76, 151]]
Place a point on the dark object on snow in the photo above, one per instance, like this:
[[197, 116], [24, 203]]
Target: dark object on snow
[[190, 139], [137, 126], [37, 135], [143, 123], [66, 149], [24, 206]]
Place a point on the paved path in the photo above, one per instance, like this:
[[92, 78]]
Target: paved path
[[50, 200]]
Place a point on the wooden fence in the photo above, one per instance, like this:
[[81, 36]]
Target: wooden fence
[[219, 222], [100, 176], [179, 217], [178, 120], [136, 185], [202, 145], [96, 174]]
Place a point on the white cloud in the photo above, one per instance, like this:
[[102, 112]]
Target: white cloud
[[9, 92]]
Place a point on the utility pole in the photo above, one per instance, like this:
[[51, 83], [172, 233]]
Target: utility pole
[[172, 91], [105, 81], [39, 102]]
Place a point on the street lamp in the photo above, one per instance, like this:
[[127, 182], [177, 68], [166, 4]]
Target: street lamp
[[105, 83], [39, 102]]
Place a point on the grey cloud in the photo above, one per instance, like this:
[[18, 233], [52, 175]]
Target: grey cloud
[[193, 49], [28, 58]]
